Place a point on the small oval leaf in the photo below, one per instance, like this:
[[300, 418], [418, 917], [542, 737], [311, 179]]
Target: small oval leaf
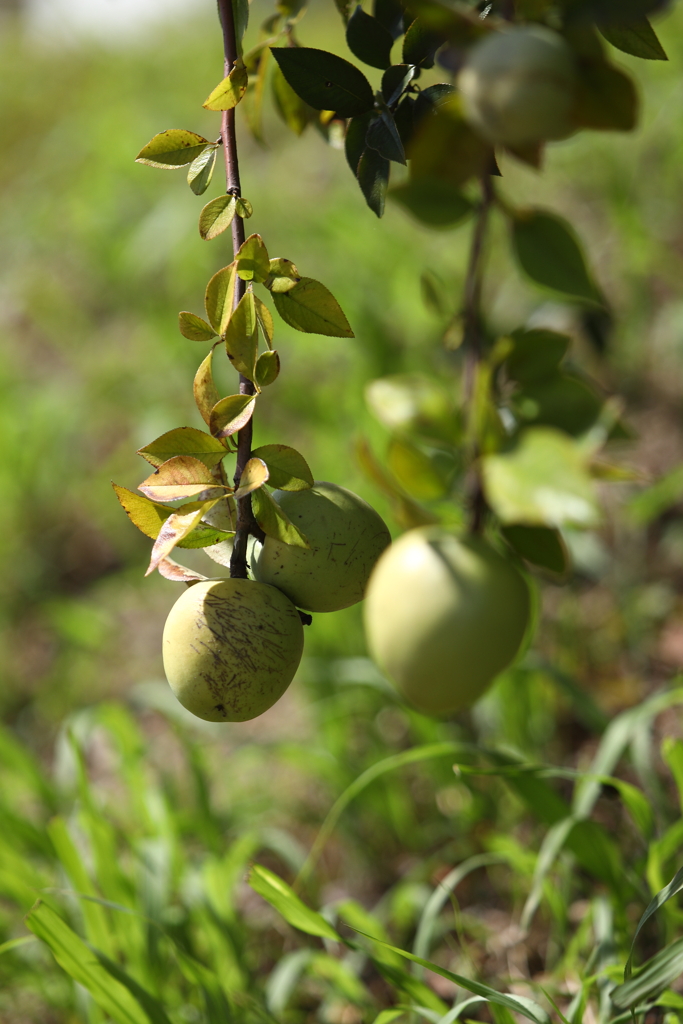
[[216, 216], [310, 307], [194, 328], [267, 368], [172, 148], [254, 475], [230, 91], [231, 414], [288, 469]]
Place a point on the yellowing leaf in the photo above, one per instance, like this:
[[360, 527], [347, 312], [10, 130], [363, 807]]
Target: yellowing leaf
[[147, 515], [179, 477], [230, 91], [241, 337], [170, 570], [184, 441], [282, 276], [172, 148], [267, 368], [288, 469], [265, 319], [273, 520], [254, 475], [205, 391], [252, 260], [176, 528], [220, 298], [194, 328], [231, 414], [217, 216], [311, 308]]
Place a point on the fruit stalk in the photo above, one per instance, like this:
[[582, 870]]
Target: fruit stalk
[[246, 523], [472, 343]]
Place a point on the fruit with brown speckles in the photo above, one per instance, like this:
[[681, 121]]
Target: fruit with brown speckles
[[346, 538], [231, 648], [444, 616]]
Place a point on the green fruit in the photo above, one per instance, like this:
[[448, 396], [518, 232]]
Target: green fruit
[[518, 86], [443, 616], [231, 648], [346, 538]]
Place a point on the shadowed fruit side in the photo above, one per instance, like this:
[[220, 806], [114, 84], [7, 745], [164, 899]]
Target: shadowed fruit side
[[346, 537], [444, 616], [231, 648]]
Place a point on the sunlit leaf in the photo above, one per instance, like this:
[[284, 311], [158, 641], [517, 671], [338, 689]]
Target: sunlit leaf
[[205, 391], [252, 260], [180, 477], [254, 475], [231, 414], [230, 91], [220, 298], [172, 148], [287, 903], [216, 216], [241, 337], [171, 570], [147, 515], [415, 471], [282, 276], [200, 171], [243, 208], [265, 320], [176, 528], [274, 522], [184, 441], [288, 469], [194, 327], [310, 307], [652, 978], [267, 368]]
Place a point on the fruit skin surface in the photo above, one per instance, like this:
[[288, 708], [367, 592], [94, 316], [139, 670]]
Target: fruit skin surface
[[346, 538], [518, 86], [443, 616], [231, 648]]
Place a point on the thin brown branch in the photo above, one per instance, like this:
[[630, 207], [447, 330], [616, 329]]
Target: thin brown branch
[[246, 523]]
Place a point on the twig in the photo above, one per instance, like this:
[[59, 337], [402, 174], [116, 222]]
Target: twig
[[246, 523]]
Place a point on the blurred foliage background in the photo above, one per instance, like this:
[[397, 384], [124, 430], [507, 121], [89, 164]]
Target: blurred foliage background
[[98, 255]]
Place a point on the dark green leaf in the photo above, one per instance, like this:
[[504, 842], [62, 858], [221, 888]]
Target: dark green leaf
[[419, 45], [607, 98], [310, 307], [635, 37], [390, 14], [561, 401], [373, 178], [194, 328], [267, 368], [434, 202], [368, 39], [430, 98], [325, 81], [548, 251], [354, 144], [395, 80], [444, 146], [173, 148], [200, 171], [383, 137], [184, 441], [289, 470], [536, 355], [539, 545], [405, 120]]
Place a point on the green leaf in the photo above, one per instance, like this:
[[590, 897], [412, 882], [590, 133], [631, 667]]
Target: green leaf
[[288, 469], [390, 14], [636, 37], [663, 896], [419, 993], [240, 13], [173, 148], [383, 137], [274, 522], [254, 475], [561, 401], [607, 98], [652, 978], [241, 337], [200, 171], [354, 142], [179, 477], [265, 320], [205, 391], [311, 308], [184, 441], [194, 328], [231, 414], [149, 517], [444, 146], [83, 965], [177, 527], [544, 481], [368, 39], [373, 178], [658, 498], [395, 80], [220, 298], [411, 402], [548, 251], [296, 114], [415, 471], [230, 91], [217, 216], [288, 905], [267, 368], [431, 201], [252, 260], [539, 545], [406, 511], [324, 80], [282, 276], [243, 208], [419, 44], [535, 355]]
